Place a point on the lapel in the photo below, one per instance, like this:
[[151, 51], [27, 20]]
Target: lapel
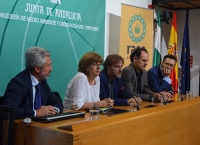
[[143, 79], [115, 92], [160, 76], [115, 84], [29, 87], [134, 79], [106, 78]]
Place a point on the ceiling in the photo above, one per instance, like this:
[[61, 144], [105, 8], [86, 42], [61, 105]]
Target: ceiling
[[178, 4]]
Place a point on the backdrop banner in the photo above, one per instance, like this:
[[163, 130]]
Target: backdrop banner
[[68, 29], [136, 30]]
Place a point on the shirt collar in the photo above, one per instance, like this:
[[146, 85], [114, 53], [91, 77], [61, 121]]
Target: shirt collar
[[33, 80], [138, 74]]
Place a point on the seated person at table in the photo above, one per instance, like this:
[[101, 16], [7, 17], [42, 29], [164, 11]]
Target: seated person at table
[[159, 76], [134, 76], [28, 92], [111, 85], [83, 90]]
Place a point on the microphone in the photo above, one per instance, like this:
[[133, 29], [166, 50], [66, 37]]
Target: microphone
[[137, 104], [165, 99], [173, 92]]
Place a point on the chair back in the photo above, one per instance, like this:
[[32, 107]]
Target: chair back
[[1, 100], [57, 95], [6, 125]]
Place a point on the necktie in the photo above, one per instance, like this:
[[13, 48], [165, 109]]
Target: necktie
[[38, 102]]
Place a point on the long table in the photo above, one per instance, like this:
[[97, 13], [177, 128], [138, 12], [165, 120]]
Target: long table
[[172, 124]]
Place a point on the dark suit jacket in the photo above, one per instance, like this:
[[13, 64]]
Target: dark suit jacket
[[129, 79], [119, 93], [19, 94], [155, 80]]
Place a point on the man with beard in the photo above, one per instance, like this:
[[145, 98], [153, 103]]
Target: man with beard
[[28, 92], [134, 76], [111, 85]]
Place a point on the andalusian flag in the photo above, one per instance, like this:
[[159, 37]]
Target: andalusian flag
[[173, 49], [157, 44]]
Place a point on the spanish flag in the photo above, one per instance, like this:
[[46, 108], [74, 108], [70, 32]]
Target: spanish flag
[[173, 49]]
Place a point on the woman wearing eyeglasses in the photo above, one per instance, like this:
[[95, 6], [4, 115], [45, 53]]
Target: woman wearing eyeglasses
[[84, 88]]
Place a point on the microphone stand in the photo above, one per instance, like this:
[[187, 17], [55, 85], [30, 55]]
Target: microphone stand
[[137, 105], [165, 100], [174, 92], [180, 94]]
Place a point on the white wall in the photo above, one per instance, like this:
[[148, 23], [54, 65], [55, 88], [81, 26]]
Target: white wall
[[114, 7], [194, 31]]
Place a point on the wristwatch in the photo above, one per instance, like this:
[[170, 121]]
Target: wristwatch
[[56, 109]]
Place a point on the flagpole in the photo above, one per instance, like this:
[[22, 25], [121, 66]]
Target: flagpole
[[199, 79], [185, 58]]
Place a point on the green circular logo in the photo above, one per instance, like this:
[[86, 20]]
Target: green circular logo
[[137, 28]]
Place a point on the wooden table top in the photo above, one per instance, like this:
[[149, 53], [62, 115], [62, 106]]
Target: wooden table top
[[169, 124], [144, 106]]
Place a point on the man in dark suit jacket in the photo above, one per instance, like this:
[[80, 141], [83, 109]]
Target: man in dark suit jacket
[[111, 85], [134, 76], [21, 91], [159, 76]]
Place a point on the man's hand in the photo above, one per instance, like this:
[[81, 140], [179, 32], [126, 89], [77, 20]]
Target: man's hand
[[107, 102], [138, 99], [131, 100], [167, 95], [110, 102], [166, 72], [45, 110], [164, 94], [157, 95]]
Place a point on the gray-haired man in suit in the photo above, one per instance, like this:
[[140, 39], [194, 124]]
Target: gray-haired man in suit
[[28, 92]]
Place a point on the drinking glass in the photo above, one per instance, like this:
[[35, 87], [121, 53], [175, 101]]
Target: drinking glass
[[133, 107], [152, 100], [94, 113], [162, 100], [189, 94], [178, 97]]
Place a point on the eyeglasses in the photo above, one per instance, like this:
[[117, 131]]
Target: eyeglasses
[[168, 64], [96, 64]]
